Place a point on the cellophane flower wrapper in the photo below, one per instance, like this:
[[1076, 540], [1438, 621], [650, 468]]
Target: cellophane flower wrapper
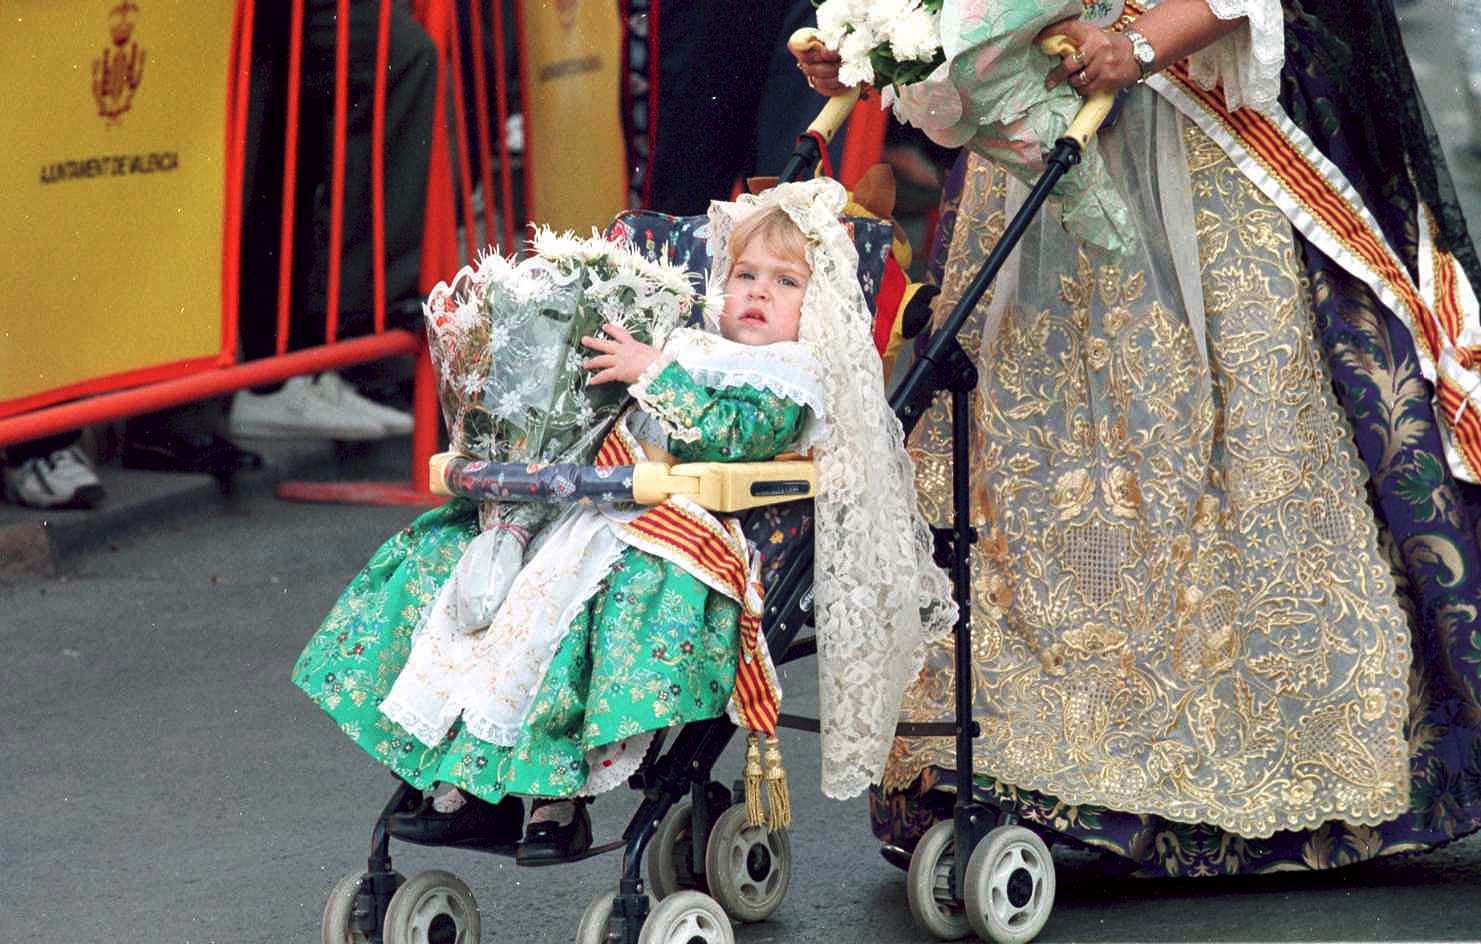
[[505, 339], [989, 95]]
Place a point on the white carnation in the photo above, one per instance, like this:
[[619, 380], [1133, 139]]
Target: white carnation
[[881, 15], [855, 49], [857, 72], [833, 21], [916, 36]]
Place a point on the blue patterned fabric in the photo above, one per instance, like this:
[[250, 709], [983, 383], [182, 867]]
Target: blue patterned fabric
[[656, 234]]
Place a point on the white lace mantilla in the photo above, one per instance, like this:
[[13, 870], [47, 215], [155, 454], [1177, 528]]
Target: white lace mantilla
[[879, 595], [789, 369]]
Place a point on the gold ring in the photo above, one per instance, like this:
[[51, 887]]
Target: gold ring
[[1079, 56], [1080, 79]]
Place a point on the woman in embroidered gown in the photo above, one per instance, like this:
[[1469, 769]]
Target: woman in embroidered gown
[[1227, 594], [608, 632]]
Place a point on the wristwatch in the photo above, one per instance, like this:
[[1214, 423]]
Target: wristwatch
[[1142, 52]]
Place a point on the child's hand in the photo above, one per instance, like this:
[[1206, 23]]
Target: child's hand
[[623, 358]]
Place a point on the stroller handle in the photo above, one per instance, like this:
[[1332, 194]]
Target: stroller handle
[[1091, 114]]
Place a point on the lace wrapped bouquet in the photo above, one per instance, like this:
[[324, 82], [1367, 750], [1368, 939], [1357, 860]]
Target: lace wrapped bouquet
[[982, 87], [506, 342], [505, 339]]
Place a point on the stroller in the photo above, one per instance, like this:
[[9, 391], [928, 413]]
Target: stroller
[[691, 827]]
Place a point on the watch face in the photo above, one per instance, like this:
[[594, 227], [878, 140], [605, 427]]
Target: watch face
[[1103, 13]]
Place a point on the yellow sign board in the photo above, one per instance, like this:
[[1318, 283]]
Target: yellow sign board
[[572, 70], [112, 187]]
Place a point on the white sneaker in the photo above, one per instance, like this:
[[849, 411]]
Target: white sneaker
[[297, 411], [339, 392], [63, 479]]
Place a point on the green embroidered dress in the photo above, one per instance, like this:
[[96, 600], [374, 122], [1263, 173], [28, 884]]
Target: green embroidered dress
[[651, 648]]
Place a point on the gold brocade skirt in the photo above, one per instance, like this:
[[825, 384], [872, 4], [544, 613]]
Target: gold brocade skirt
[[1180, 604]]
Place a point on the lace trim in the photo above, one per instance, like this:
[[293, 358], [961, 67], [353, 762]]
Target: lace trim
[[788, 369], [481, 722], [879, 595], [609, 765], [1247, 62]]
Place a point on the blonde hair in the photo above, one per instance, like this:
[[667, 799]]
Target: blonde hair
[[778, 234]]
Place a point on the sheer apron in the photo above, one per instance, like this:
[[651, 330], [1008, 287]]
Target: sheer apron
[[1181, 606]]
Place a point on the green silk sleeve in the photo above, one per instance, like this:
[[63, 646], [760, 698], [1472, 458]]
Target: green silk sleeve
[[730, 424]]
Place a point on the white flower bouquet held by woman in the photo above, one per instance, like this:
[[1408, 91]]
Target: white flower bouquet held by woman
[[980, 85], [882, 42]]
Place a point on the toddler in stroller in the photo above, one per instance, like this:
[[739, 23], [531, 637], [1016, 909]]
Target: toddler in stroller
[[621, 623]]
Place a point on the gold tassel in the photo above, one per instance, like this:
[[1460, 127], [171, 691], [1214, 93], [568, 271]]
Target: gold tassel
[[755, 814], [777, 796]]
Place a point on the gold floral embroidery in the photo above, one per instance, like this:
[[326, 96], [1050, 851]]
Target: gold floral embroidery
[[1180, 606]]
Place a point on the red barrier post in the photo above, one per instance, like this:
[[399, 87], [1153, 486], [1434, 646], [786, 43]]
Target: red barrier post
[[481, 113], [378, 164], [290, 176], [337, 172], [501, 113], [460, 128]]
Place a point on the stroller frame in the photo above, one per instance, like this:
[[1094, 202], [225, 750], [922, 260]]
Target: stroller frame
[[666, 778]]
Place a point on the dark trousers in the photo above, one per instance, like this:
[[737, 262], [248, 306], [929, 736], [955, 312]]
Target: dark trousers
[[731, 102], [410, 107]]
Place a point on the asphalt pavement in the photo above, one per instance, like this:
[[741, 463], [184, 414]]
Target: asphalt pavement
[[164, 782]]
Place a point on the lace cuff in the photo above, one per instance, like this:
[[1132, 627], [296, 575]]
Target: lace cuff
[[672, 397], [673, 387], [1247, 62]]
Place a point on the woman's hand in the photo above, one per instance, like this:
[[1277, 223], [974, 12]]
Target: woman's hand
[[623, 358], [1102, 62], [820, 65]]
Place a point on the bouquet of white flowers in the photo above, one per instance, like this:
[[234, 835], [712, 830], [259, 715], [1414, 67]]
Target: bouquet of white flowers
[[969, 74], [505, 338], [882, 42]]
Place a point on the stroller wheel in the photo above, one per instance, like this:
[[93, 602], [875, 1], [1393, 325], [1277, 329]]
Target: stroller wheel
[[596, 921], [1010, 886], [747, 868], [668, 859], [687, 917], [338, 925], [432, 908], [928, 885], [597, 926]]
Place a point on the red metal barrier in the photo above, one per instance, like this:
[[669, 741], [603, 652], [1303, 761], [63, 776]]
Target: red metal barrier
[[440, 243], [156, 390]]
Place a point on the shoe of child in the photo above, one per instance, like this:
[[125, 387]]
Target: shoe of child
[[297, 411], [341, 393], [63, 479], [476, 824], [550, 842]]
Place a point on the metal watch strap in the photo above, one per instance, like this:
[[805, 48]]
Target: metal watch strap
[[1143, 52]]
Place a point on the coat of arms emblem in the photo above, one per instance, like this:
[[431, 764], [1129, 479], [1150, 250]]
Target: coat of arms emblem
[[117, 73]]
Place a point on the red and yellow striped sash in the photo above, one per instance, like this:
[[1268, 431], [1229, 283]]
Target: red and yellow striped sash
[[716, 553], [1440, 311]]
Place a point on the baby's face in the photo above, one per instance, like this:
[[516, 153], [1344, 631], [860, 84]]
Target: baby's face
[[763, 297]]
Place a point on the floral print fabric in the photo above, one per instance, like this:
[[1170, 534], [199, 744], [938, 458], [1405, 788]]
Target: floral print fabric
[[652, 647]]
